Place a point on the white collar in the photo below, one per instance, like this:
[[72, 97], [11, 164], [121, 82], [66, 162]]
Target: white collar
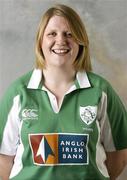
[[36, 78]]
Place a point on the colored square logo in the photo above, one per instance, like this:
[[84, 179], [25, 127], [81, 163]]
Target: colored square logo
[[59, 149]]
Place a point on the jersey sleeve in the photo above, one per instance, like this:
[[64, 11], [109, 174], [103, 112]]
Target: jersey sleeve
[[9, 122], [114, 131]]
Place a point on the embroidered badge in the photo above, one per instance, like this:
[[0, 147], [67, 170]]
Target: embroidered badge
[[29, 114], [88, 114]]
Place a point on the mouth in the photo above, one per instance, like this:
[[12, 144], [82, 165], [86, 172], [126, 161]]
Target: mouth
[[60, 51]]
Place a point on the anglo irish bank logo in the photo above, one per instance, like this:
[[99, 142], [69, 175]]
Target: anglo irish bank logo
[[59, 149]]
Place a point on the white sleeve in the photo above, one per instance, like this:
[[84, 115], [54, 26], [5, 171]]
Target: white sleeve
[[10, 138], [105, 127]]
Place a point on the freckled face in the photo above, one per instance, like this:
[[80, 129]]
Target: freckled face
[[58, 45]]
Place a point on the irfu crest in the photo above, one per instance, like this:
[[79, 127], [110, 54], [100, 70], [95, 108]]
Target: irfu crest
[[88, 114]]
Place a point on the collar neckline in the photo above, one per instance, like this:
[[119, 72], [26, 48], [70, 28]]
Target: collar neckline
[[36, 82]]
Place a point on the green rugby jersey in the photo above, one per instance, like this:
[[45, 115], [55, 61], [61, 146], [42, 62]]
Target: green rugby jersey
[[51, 143]]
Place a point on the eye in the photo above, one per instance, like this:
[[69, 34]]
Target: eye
[[68, 34], [52, 34]]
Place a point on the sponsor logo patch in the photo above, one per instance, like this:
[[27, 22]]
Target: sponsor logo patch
[[59, 149], [88, 114], [30, 114]]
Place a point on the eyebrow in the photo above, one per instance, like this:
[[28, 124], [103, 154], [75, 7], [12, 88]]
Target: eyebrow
[[50, 30]]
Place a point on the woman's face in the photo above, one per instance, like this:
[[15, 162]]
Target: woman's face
[[58, 45]]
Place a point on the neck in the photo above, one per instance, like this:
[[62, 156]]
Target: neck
[[58, 81], [57, 77]]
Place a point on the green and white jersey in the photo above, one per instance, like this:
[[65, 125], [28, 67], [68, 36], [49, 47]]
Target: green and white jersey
[[67, 142]]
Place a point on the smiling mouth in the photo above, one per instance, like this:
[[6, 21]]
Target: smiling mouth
[[60, 51]]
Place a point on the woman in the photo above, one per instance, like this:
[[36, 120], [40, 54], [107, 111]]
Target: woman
[[61, 121]]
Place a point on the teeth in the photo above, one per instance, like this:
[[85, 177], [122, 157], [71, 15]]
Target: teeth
[[60, 51]]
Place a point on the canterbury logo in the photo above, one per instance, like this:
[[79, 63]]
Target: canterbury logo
[[29, 114]]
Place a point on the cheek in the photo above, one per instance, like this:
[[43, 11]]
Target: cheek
[[46, 42], [46, 46], [74, 46]]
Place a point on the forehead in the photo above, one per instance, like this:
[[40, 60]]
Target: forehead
[[57, 22]]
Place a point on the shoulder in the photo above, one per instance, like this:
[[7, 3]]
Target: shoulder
[[22, 81], [114, 103], [17, 86], [99, 82], [96, 79]]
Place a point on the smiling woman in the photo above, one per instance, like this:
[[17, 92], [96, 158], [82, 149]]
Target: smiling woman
[[74, 29], [61, 118], [58, 45]]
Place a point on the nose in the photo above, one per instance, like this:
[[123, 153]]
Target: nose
[[61, 39]]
